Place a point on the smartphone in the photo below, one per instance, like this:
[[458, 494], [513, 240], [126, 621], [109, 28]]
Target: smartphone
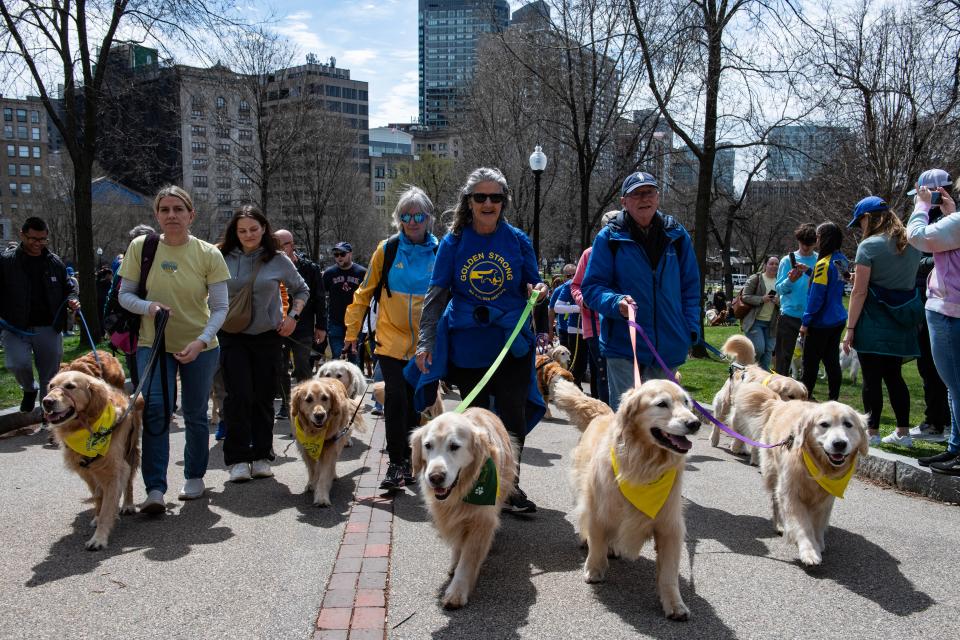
[[793, 261], [936, 197]]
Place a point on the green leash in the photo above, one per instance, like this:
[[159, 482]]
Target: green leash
[[465, 403]]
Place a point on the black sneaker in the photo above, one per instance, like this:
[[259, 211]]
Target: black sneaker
[[946, 456], [518, 502], [283, 413], [408, 477], [394, 477], [29, 401], [948, 467]]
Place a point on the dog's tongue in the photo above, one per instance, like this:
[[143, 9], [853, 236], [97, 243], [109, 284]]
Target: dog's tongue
[[679, 442]]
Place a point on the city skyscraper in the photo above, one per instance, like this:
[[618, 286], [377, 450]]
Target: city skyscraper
[[798, 151], [448, 31]]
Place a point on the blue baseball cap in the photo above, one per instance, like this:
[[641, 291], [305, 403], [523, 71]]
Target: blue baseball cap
[[636, 180], [870, 204], [931, 179], [69, 271], [343, 246]]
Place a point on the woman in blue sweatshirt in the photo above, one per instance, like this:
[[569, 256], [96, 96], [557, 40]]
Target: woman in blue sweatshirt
[[824, 317]]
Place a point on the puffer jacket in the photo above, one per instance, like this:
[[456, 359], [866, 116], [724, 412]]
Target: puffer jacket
[[398, 319]]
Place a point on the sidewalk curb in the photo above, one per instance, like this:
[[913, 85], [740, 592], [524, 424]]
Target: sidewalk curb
[[906, 474]]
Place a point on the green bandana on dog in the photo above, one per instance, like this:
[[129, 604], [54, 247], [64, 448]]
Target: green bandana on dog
[[486, 489]]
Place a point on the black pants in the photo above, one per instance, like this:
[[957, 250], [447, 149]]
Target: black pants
[[877, 369], [297, 348], [510, 386], [788, 328], [823, 345], [598, 371], [250, 366], [578, 353], [399, 414], [937, 407]]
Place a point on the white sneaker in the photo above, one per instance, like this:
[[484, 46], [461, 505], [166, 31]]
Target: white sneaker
[[261, 469], [240, 472], [154, 503], [192, 489], [875, 440], [928, 432], [901, 441]]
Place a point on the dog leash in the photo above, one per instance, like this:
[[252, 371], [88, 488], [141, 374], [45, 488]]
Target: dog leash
[[93, 345], [636, 328], [160, 322], [465, 403]]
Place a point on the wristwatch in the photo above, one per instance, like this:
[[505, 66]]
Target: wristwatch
[[295, 316]]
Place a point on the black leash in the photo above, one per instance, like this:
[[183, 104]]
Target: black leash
[[159, 345]]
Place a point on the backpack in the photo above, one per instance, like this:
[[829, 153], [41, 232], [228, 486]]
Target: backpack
[[390, 249], [121, 325]]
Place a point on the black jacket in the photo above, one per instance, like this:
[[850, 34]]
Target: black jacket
[[314, 314], [15, 290]]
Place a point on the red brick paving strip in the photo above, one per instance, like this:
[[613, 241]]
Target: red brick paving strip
[[354, 605]]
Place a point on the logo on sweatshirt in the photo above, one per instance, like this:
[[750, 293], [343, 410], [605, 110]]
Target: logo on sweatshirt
[[486, 274]]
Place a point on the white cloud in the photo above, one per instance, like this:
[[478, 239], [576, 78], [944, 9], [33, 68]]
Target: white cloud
[[302, 34]]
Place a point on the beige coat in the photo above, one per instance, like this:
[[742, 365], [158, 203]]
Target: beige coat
[[753, 293]]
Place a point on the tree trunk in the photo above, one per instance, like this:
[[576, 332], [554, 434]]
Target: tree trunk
[[83, 210]]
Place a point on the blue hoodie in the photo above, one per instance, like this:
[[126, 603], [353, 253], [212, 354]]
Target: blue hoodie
[[668, 299], [825, 299]]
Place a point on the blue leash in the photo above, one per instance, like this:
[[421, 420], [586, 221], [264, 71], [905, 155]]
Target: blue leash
[[712, 349], [93, 345]]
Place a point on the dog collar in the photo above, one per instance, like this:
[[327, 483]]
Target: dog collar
[[313, 445], [833, 486], [486, 489], [647, 498], [93, 441]]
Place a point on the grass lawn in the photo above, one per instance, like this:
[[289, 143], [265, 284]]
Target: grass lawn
[[704, 377]]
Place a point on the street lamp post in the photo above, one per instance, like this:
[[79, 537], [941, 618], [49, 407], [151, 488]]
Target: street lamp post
[[99, 258], [538, 162]]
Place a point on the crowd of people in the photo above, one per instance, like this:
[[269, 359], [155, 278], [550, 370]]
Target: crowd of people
[[441, 307]]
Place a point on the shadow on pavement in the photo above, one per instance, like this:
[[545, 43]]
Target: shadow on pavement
[[630, 592], [16, 443], [868, 570], [741, 534], [525, 547], [408, 505], [538, 457], [167, 537]]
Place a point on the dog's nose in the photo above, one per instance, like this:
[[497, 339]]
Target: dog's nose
[[437, 478], [48, 404], [319, 417], [839, 446], [693, 426]]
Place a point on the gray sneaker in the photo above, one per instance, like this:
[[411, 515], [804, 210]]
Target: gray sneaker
[[928, 433], [154, 504], [192, 489]]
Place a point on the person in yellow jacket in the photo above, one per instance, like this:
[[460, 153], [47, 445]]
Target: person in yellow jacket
[[400, 287]]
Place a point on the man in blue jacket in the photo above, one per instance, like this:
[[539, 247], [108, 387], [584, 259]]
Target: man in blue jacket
[[643, 258]]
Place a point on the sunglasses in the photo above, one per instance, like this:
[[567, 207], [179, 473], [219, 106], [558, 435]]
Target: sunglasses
[[416, 217], [339, 254], [495, 198]]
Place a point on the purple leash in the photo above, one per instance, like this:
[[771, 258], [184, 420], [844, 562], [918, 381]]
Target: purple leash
[[634, 327]]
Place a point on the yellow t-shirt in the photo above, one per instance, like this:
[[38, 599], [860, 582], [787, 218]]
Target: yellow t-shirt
[[766, 311], [179, 279]]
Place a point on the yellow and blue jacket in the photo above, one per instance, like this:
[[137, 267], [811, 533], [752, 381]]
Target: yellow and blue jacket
[[825, 297]]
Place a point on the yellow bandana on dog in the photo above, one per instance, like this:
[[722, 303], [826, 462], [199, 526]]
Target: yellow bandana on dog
[[648, 498], [767, 379], [95, 440], [313, 445], [833, 486]]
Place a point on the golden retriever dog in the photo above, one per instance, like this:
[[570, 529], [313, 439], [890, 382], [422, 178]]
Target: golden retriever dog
[[830, 436], [347, 373], [740, 350], [109, 370], [638, 451], [548, 372], [378, 390], [468, 466], [79, 406], [561, 355], [580, 408], [321, 413]]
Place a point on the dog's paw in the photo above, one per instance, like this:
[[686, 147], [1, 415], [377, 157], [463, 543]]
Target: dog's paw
[[677, 612], [613, 553], [128, 509], [593, 576], [96, 543], [810, 557], [321, 501], [455, 596]]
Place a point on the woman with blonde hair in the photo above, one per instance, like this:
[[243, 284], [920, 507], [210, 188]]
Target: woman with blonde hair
[[885, 310], [189, 280]]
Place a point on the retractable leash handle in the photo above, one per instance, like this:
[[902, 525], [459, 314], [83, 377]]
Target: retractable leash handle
[[636, 328]]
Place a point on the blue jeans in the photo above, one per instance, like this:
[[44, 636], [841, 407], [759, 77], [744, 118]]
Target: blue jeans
[[945, 345], [620, 377], [45, 350], [763, 342], [196, 379], [336, 334]]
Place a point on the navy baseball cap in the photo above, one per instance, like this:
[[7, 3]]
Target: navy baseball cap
[[870, 204], [636, 180], [343, 246], [931, 179]]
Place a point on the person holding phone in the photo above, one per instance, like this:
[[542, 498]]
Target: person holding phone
[[760, 324], [793, 283]]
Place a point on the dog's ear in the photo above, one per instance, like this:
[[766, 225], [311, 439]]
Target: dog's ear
[[338, 405], [97, 398], [296, 396], [416, 449], [861, 426]]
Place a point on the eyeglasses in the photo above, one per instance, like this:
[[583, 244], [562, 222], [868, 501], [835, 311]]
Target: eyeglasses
[[43, 240], [339, 254], [416, 217], [495, 198], [646, 193]]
